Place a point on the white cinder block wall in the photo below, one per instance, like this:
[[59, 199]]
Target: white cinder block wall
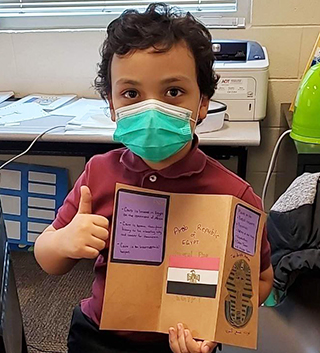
[[65, 62]]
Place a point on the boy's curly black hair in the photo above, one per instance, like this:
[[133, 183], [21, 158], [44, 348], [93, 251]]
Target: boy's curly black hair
[[160, 26]]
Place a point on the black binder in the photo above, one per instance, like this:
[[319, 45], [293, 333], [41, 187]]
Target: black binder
[[12, 338]]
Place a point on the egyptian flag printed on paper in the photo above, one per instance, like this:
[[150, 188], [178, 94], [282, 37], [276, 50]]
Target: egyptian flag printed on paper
[[193, 276]]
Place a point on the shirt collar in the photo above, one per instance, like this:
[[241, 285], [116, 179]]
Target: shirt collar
[[193, 163]]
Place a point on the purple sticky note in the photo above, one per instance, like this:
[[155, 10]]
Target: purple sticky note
[[245, 230], [140, 227]]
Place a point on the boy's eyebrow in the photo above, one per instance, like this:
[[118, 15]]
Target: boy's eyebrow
[[128, 81], [175, 79], [164, 81]]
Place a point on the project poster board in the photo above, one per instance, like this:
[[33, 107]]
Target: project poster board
[[186, 258]]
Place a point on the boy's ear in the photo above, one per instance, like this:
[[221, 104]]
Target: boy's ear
[[111, 107], [204, 106]]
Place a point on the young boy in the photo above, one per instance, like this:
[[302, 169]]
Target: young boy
[[156, 73]]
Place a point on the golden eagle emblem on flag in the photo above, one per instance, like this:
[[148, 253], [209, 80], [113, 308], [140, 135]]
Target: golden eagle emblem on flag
[[193, 277]]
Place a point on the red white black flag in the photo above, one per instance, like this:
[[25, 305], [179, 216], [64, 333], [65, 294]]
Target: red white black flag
[[193, 276]]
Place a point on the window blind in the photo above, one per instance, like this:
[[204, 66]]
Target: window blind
[[13, 10], [62, 7]]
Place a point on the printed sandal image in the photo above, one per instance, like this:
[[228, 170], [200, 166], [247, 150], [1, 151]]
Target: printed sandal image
[[238, 305]]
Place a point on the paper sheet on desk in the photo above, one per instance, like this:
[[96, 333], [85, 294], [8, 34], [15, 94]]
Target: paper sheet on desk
[[31, 107], [93, 121], [92, 117], [49, 102], [5, 95], [104, 132], [78, 107], [16, 112]]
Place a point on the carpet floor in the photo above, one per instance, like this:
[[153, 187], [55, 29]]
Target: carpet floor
[[47, 301]]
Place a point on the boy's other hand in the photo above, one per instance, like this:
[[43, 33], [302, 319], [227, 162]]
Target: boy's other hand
[[181, 341], [87, 234]]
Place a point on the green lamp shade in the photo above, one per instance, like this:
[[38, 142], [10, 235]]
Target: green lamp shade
[[306, 116]]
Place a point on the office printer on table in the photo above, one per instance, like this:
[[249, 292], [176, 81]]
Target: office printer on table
[[243, 69]]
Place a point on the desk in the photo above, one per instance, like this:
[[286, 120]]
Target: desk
[[232, 140], [308, 153]]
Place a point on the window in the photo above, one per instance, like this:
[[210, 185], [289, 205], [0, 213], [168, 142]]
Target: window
[[53, 14]]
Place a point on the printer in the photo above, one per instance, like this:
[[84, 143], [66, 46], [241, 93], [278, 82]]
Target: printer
[[243, 69]]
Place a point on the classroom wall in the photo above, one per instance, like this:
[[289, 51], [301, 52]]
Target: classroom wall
[[65, 62], [288, 29]]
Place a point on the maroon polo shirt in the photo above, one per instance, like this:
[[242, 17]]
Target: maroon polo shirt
[[196, 173]]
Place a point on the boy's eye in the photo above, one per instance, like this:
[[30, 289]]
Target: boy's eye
[[130, 94], [174, 92]]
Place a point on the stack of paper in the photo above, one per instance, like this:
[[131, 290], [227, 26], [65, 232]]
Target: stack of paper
[[77, 108], [31, 107], [91, 116], [50, 102]]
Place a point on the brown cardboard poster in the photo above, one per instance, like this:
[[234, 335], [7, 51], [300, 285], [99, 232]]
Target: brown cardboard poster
[[193, 259]]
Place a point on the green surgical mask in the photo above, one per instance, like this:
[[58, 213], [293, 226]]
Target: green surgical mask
[[152, 129]]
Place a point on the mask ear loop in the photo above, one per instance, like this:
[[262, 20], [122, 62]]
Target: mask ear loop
[[197, 116]]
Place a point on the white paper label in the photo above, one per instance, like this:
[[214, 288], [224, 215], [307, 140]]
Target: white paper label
[[238, 86]]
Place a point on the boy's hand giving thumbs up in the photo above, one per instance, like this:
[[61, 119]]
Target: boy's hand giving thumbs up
[[87, 234]]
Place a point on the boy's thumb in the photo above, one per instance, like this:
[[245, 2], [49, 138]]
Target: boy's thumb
[[85, 200]]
